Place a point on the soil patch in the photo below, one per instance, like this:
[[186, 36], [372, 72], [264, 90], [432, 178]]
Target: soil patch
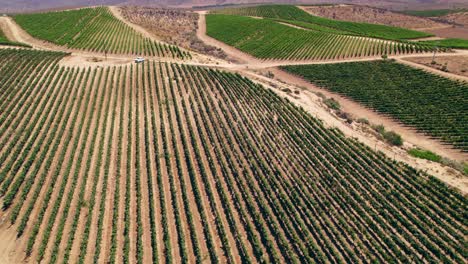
[[453, 64]]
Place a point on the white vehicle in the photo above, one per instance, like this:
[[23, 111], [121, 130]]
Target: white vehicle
[[139, 60]]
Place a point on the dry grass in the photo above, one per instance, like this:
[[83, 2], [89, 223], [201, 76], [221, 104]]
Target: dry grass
[[174, 26]]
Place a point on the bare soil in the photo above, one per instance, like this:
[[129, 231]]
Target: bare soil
[[454, 64], [460, 19], [450, 32], [355, 13], [173, 26]]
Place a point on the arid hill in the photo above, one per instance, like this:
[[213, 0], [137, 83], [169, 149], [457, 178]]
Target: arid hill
[[33, 5], [368, 14]]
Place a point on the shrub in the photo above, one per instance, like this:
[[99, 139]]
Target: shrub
[[332, 103], [424, 154], [379, 128], [393, 138], [390, 137], [363, 120]]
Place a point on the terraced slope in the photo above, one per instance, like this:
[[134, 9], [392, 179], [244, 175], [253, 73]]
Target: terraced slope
[[169, 163], [433, 105], [267, 39], [293, 14], [93, 29]]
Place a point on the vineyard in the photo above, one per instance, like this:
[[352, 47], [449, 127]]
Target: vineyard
[[295, 15], [268, 39], [449, 43], [93, 29], [433, 105], [173, 163]]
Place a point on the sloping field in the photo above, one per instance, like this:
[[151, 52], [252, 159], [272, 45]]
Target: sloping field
[[267, 39], [168, 163], [93, 29], [372, 15], [293, 13], [433, 105], [5, 41]]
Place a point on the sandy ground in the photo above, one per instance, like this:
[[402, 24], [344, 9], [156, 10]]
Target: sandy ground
[[195, 56], [455, 64], [6, 29]]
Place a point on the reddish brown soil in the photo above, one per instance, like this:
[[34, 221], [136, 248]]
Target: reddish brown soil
[[460, 19], [373, 15]]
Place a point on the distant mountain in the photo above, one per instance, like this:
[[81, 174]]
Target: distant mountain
[[9, 6]]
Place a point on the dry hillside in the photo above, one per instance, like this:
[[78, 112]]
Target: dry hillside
[[460, 19], [367, 14]]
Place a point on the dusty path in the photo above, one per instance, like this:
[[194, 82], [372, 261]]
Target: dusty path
[[432, 70], [311, 103], [231, 51], [6, 29]]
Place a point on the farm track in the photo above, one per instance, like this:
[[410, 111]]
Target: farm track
[[180, 163]]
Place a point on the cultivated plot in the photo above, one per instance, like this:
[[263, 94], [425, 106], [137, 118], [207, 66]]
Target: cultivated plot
[[176, 163], [93, 29]]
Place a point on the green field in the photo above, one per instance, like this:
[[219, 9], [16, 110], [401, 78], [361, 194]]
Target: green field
[[173, 163], [434, 13], [433, 105], [452, 43], [293, 13], [93, 29], [267, 39]]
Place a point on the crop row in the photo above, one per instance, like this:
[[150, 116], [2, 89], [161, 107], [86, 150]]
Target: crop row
[[433, 105], [205, 165], [267, 39], [294, 15], [93, 29]]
